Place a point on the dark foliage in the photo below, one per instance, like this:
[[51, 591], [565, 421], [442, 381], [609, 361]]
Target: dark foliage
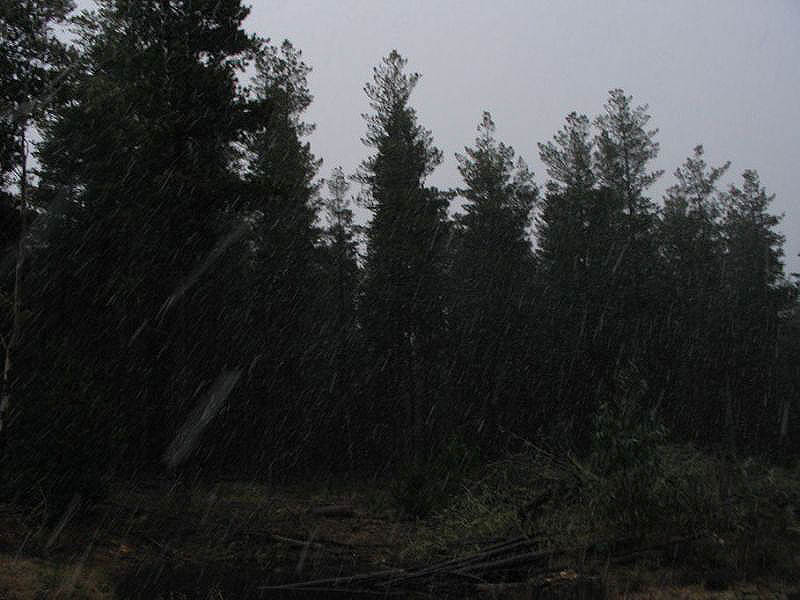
[[181, 291]]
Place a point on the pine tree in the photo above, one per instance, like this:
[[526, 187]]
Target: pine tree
[[144, 152], [690, 234], [337, 293], [564, 210], [581, 251], [491, 276], [402, 300], [691, 220], [624, 149], [590, 274], [754, 247], [30, 58], [281, 197], [342, 248], [753, 271], [568, 156]]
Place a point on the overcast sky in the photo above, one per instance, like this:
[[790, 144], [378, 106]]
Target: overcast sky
[[722, 73]]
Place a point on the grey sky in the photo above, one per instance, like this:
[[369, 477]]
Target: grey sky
[[723, 73]]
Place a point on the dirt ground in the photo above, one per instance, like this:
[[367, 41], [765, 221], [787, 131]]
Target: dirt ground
[[217, 541]]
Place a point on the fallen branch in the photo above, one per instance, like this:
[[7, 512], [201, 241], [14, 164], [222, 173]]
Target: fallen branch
[[476, 566], [335, 581], [337, 590], [515, 561], [292, 542], [459, 565], [318, 541]]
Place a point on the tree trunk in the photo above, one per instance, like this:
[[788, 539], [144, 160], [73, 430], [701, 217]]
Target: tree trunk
[[10, 342]]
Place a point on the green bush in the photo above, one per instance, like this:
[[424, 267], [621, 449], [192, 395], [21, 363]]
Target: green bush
[[626, 455], [426, 487]]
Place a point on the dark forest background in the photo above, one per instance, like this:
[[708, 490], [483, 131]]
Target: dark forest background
[[180, 291]]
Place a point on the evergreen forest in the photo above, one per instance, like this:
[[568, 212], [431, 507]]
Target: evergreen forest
[[189, 311]]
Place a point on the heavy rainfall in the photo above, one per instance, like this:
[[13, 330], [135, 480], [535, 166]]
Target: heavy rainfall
[[231, 372]]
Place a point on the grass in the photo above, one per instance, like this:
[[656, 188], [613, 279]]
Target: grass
[[746, 513], [747, 510], [32, 579], [460, 528]]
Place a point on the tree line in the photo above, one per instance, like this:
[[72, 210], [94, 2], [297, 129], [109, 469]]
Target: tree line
[[173, 233]]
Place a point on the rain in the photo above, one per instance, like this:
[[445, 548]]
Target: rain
[[281, 322]]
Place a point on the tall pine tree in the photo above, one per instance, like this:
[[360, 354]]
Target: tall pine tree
[[30, 59], [281, 196], [144, 151], [402, 300], [753, 271], [690, 235], [492, 270]]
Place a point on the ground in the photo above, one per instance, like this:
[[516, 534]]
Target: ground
[[234, 539]]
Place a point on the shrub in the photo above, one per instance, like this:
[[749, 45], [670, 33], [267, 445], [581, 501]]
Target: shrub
[[625, 455], [426, 487]]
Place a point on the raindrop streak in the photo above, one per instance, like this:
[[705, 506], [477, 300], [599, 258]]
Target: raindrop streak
[[206, 409]]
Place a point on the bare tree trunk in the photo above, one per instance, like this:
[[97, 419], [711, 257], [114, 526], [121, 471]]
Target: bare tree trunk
[[9, 343]]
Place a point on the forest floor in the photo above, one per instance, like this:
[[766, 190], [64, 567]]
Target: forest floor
[[236, 540]]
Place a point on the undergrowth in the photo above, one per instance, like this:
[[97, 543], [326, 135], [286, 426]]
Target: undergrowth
[[741, 515]]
